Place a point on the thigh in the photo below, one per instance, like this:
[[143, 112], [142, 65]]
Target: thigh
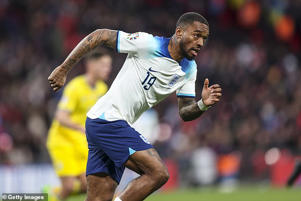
[[133, 166], [63, 159], [100, 187], [81, 152], [145, 162], [99, 162]]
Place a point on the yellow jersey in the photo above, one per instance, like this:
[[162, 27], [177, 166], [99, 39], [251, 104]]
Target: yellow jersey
[[78, 97]]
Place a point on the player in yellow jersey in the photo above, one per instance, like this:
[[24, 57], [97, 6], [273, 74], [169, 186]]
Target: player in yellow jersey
[[66, 141]]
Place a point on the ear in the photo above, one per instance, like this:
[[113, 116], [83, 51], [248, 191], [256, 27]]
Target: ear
[[179, 33]]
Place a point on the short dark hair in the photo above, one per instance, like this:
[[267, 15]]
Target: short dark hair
[[189, 18], [96, 54]]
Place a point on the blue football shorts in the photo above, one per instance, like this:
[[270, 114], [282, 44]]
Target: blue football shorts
[[110, 145]]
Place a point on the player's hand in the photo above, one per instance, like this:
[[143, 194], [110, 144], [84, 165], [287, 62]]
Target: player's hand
[[212, 94], [57, 78]]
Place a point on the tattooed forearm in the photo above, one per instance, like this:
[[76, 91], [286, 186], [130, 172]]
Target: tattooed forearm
[[104, 37], [189, 109]]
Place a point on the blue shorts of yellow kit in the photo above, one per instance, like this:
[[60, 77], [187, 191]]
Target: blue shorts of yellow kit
[[110, 144]]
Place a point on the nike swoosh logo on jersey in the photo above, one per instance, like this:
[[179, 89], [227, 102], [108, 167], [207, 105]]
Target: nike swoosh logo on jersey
[[151, 70]]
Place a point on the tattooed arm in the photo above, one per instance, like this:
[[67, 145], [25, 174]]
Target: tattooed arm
[[103, 37], [189, 109]]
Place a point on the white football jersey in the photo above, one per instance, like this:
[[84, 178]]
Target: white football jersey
[[148, 75]]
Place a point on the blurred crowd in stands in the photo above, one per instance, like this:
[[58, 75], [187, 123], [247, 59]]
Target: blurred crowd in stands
[[253, 51]]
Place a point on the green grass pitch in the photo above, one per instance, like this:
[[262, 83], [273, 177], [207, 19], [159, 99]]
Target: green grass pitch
[[213, 194]]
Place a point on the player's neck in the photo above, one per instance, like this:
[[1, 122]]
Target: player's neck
[[90, 80], [174, 49]]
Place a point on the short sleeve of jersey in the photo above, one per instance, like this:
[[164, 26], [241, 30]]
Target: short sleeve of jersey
[[188, 89], [134, 42], [69, 99]]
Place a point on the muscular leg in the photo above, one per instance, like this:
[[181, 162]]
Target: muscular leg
[[133, 166], [153, 173], [100, 187]]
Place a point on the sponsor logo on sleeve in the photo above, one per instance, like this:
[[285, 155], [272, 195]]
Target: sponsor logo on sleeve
[[174, 80]]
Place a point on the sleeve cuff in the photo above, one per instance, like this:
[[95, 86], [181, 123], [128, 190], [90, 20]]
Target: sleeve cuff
[[185, 95], [117, 41]]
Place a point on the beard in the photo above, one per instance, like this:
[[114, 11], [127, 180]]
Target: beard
[[184, 52]]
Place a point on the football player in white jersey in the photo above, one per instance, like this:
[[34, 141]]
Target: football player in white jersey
[[154, 68]]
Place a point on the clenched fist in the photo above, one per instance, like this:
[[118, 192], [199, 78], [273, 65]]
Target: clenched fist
[[57, 78]]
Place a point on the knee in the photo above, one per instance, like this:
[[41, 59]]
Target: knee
[[67, 187], [161, 176]]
